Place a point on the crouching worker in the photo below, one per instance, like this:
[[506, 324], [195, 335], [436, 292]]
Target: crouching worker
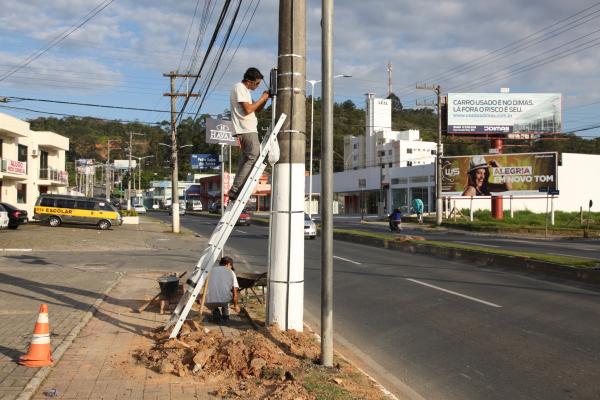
[[222, 290]]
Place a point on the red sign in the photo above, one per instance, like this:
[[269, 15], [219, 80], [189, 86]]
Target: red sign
[[16, 167]]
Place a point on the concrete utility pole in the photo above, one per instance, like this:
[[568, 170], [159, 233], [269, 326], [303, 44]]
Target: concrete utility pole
[[174, 163], [327, 185], [286, 275], [438, 170]]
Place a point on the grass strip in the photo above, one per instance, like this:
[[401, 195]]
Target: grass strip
[[560, 260]]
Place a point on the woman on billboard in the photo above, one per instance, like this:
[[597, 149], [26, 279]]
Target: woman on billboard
[[478, 177]]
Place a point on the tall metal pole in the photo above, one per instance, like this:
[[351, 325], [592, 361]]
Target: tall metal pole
[[438, 184], [108, 188], [310, 165], [174, 165], [286, 279], [327, 185], [129, 169]]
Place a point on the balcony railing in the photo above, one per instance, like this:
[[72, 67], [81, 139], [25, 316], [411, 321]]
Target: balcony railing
[[13, 167], [54, 175]]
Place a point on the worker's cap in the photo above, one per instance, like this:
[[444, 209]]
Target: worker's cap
[[226, 260], [477, 162]]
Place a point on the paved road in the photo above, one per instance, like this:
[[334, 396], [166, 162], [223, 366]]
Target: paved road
[[586, 248], [446, 329]]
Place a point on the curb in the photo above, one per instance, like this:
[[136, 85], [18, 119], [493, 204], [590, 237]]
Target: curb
[[40, 376], [522, 264]]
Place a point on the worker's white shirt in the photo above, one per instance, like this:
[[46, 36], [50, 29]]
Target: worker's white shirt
[[242, 123], [221, 281]]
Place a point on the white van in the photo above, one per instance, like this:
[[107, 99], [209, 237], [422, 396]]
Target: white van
[[194, 205]]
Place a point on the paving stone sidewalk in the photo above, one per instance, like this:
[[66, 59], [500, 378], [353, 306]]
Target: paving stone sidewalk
[[70, 269], [99, 363]]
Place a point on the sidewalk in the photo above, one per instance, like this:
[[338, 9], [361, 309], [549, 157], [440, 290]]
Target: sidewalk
[[100, 363], [39, 264]]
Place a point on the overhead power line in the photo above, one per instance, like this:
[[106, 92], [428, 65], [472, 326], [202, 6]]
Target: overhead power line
[[38, 53]]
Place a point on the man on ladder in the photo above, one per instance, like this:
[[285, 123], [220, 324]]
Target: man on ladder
[[245, 124]]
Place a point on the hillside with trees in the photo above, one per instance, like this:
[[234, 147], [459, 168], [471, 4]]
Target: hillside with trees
[[89, 137]]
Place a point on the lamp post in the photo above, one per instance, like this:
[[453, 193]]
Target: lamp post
[[129, 168], [140, 159], [175, 181], [312, 109]]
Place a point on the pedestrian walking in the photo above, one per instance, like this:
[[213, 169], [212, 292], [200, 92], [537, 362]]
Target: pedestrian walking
[[418, 207]]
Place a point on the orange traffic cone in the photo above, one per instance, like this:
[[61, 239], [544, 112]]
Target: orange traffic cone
[[40, 353]]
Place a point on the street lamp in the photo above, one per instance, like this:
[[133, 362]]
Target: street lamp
[[180, 147], [140, 159], [312, 109], [129, 182]]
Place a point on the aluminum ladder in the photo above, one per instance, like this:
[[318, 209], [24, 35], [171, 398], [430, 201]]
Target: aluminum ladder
[[217, 241]]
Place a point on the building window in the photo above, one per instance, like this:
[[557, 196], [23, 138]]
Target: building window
[[409, 164], [21, 193], [389, 152], [381, 153], [395, 181], [355, 146], [408, 151], [433, 152], [390, 165], [22, 153]]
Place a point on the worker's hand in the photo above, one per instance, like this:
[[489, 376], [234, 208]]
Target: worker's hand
[[266, 94]]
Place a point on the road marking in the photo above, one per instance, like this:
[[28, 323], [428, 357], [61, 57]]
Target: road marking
[[240, 231], [345, 259], [572, 255], [17, 250], [476, 244], [454, 293]]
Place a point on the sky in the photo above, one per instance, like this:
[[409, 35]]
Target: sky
[[119, 55]]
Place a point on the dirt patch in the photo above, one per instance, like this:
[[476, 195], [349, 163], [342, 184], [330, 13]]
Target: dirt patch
[[256, 364]]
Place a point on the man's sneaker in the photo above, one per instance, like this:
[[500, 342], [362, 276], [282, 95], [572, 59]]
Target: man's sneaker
[[232, 195]]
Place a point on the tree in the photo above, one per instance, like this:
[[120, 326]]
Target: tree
[[396, 103]]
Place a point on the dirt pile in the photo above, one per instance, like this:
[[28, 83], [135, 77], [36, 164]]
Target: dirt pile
[[254, 364]]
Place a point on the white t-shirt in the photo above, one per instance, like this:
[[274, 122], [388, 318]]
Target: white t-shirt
[[242, 123], [221, 281]]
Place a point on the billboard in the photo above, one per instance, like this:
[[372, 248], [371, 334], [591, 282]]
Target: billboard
[[205, 161], [220, 131], [504, 113], [124, 164], [481, 175]]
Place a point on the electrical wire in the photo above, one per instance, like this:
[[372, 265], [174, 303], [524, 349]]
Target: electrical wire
[[38, 53]]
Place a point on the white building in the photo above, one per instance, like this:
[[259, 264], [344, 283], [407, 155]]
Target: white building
[[32, 162], [383, 147], [359, 190]]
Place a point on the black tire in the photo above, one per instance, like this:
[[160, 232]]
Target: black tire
[[103, 225], [13, 226], [54, 221]]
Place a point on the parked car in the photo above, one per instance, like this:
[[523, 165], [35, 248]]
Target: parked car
[[181, 209], [215, 207], [194, 205], [16, 216], [139, 208], [3, 218], [56, 209], [310, 228], [244, 218]]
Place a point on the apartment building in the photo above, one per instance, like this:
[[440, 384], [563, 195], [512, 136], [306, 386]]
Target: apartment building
[[31, 163]]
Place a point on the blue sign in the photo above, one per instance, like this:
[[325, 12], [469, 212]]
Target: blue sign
[[205, 161]]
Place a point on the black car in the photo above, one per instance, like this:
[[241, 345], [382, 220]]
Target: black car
[[16, 216]]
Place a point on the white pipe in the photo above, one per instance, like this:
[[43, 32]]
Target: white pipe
[[552, 210]]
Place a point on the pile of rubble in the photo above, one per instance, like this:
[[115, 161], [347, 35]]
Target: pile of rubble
[[260, 363]]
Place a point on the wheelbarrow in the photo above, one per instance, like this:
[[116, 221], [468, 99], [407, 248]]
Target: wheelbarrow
[[247, 280]]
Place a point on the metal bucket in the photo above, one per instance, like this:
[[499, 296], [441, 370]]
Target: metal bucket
[[168, 285]]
